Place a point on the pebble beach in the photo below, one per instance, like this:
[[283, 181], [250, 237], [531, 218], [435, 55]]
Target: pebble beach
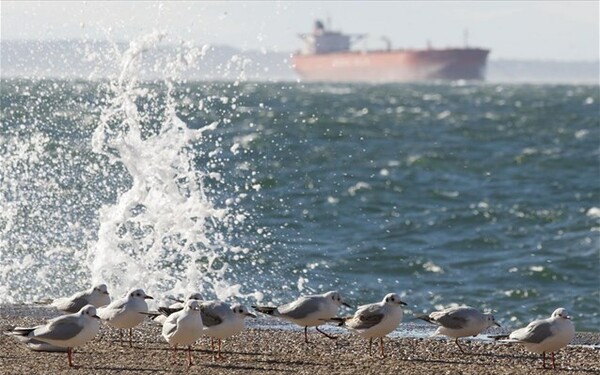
[[262, 349]]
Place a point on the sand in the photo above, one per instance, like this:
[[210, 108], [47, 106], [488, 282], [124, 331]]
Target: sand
[[268, 350]]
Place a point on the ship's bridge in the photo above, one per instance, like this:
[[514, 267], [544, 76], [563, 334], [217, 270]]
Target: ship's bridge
[[322, 41]]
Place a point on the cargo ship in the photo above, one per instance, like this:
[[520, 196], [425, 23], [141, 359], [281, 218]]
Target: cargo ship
[[327, 57]]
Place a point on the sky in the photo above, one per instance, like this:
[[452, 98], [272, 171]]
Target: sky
[[524, 30]]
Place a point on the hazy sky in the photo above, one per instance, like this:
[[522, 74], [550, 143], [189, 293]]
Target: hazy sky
[[555, 30]]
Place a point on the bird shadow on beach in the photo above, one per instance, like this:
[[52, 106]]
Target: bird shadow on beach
[[133, 369], [507, 356], [258, 365], [240, 367]]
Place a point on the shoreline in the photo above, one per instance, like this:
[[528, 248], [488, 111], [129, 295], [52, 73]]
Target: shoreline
[[278, 348]]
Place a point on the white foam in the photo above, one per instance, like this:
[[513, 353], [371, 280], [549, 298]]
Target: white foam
[[162, 233]]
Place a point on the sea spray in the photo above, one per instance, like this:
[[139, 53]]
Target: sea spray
[[164, 233]]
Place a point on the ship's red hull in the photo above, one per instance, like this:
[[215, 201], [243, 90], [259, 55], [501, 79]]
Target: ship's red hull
[[393, 66]]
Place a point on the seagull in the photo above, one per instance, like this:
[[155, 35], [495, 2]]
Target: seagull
[[158, 317], [65, 331], [222, 321], [375, 319], [459, 322], [308, 311], [127, 312], [546, 335], [97, 296], [184, 327]]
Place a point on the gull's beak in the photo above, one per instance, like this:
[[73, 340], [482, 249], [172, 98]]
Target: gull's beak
[[95, 316], [402, 303], [498, 324], [105, 292], [250, 315], [347, 305], [148, 297]]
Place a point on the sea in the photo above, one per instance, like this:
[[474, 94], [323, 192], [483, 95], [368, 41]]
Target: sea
[[448, 193]]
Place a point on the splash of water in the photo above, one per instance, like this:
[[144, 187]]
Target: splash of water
[[164, 233]]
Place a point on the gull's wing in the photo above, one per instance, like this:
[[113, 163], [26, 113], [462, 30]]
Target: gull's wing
[[72, 304], [211, 314], [170, 325], [366, 317], [301, 308], [536, 332], [452, 318], [75, 304], [64, 328], [110, 311]]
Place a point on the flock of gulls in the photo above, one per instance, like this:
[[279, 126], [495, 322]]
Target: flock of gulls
[[185, 321]]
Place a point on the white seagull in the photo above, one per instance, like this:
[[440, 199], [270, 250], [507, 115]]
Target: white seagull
[[308, 311], [184, 328], [65, 331], [546, 335], [376, 319], [222, 321], [127, 312], [97, 296], [457, 322], [159, 318]]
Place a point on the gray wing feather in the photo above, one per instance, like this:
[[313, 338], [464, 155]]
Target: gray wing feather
[[171, 330], [365, 322], [453, 320], [117, 307], [63, 329], [76, 304], [209, 319], [534, 333], [300, 309]]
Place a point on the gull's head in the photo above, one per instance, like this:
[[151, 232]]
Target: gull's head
[[194, 296], [89, 311], [561, 313], [393, 299], [336, 298], [138, 294], [491, 320], [192, 305], [101, 288], [242, 311]]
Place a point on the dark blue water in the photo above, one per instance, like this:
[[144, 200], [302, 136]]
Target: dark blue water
[[486, 195]]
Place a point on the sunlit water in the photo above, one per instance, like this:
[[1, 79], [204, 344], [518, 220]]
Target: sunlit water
[[486, 195]]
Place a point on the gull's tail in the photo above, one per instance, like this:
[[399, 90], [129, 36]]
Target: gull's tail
[[151, 314], [176, 299], [498, 337], [266, 309], [340, 321], [166, 311], [19, 331]]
